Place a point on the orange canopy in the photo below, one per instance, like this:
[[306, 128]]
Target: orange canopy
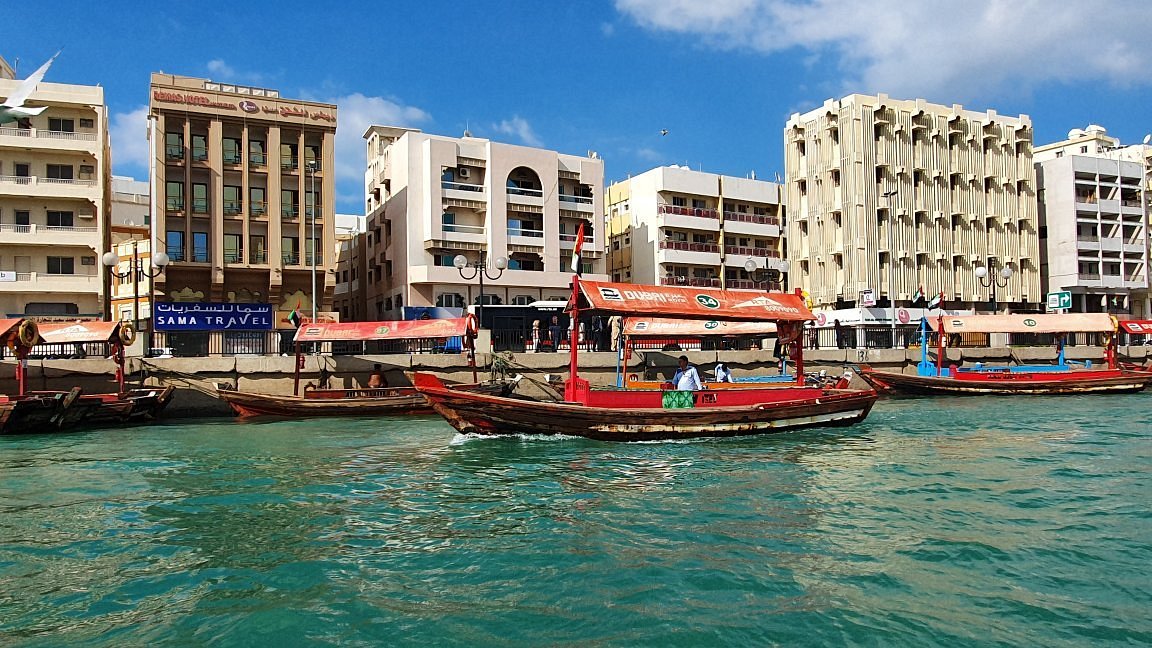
[[1025, 323], [8, 327], [71, 332], [655, 326], [395, 330], [695, 303], [1137, 326]]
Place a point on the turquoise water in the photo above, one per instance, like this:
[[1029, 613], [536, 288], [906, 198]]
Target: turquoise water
[[937, 522]]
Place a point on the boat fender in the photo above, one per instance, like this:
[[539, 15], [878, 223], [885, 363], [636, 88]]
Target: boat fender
[[27, 333], [127, 334], [844, 381]]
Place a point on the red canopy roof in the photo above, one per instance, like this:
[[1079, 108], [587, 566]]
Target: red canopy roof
[[1025, 323], [8, 327], [1137, 326], [396, 330], [70, 332], [695, 303], [657, 326]]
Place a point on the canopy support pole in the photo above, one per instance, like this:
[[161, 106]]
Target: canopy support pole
[[118, 354], [940, 347], [299, 361], [21, 368], [570, 387]]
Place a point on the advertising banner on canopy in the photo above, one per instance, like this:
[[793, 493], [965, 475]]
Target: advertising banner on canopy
[[1025, 323], [659, 326], [1140, 327], [695, 303], [70, 332], [392, 330]]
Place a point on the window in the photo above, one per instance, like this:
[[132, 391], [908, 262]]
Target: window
[[290, 250], [1059, 154], [200, 247], [522, 300], [448, 221], [174, 146], [199, 198], [174, 193], [60, 219], [443, 260], [699, 204], [22, 219], [61, 265], [174, 242], [87, 123], [60, 171], [22, 169], [199, 148], [232, 201], [447, 300], [1083, 149], [288, 160], [256, 200], [86, 171], [257, 155], [679, 201], [289, 207], [312, 156], [256, 246], [230, 146], [232, 251], [310, 200]]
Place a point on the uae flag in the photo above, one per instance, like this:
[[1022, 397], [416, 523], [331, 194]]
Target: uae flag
[[579, 247], [937, 301], [919, 296]]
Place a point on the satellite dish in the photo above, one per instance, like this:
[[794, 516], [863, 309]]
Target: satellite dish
[[1148, 138]]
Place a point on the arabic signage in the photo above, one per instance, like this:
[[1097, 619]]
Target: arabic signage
[[176, 316], [223, 102]]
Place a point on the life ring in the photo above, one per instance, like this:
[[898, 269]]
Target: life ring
[[127, 334], [471, 324], [28, 334], [1107, 337]]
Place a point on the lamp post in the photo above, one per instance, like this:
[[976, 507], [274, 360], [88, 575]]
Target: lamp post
[[310, 167], [759, 275], [889, 195], [991, 282], [479, 269], [138, 273]]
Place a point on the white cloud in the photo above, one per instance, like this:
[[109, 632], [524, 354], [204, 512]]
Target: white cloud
[[355, 113], [944, 51], [219, 69], [129, 134], [519, 128]]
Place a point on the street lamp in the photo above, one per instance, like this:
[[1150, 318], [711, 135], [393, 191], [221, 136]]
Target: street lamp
[[990, 281], [479, 269], [767, 275], [138, 273], [310, 167]]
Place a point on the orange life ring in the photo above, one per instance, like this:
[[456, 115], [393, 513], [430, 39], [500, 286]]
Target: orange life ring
[[127, 334], [28, 334]]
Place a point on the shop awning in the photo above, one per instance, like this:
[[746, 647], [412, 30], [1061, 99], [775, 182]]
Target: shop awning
[[660, 326], [394, 330], [1137, 326], [76, 332], [1024, 323], [695, 303]]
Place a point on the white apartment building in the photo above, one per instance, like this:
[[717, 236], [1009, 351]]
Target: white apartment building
[[1094, 222], [888, 197], [55, 182], [675, 226], [430, 198]]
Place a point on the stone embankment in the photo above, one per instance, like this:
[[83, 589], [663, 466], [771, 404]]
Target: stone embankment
[[195, 378]]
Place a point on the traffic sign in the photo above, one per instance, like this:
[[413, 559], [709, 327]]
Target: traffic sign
[[1061, 300]]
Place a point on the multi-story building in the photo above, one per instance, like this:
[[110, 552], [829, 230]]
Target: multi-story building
[[431, 198], [131, 220], [349, 300], [675, 226], [1094, 220], [888, 198], [245, 194], [55, 183]]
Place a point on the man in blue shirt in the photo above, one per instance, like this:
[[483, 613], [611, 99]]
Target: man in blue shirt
[[686, 377]]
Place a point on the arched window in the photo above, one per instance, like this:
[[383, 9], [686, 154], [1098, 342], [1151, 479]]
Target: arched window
[[448, 300]]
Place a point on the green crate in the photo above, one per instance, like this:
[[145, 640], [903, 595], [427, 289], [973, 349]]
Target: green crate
[[679, 399]]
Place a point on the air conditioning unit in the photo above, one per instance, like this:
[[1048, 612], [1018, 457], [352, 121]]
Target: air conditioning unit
[[463, 172], [940, 256], [86, 214], [903, 254], [973, 257], [939, 216]]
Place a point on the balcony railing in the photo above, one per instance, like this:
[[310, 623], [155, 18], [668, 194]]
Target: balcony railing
[[176, 254], [517, 191], [233, 257], [175, 205], [759, 219], [689, 247], [33, 229], [698, 282], [310, 259], [698, 212], [583, 200], [571, 238], [290, 258], [68, 228], [259, 256], [462, 186], [47, 134], [257, 209], [233, 157], [530, 233], [199, 206], [290, 163], [313, 164], [257, 159], [289, 212], [464, 229], [233, 207], [751, 251], [200, 256], [34, 180], [199, 155], [174, 152]]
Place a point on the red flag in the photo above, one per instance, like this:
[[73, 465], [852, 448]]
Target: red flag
[[579, 247]]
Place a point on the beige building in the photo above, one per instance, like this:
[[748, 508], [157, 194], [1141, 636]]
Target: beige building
[[131, 220], [240, 174], [887, 197], [675, 226], [430, 198], [55, 182], [350, 294]]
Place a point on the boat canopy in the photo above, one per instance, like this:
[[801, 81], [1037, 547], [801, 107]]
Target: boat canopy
[[75, 332], [10, 331], [661, 326], [1137, 326], [394, 330], [694, 303], [1026, 323]]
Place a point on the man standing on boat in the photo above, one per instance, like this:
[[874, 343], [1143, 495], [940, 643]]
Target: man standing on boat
[[686, 377]]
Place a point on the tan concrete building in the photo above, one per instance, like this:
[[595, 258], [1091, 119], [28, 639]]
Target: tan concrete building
[[240, 173], [430, 198], [55, 180], [675, 226], [887, 197], [350, 295], [131, 220]]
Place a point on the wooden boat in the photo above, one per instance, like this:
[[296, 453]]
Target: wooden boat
[[656, 414], [1060, 378], [363, 401]]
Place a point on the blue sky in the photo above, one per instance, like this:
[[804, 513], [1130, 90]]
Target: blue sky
[[722, 76]]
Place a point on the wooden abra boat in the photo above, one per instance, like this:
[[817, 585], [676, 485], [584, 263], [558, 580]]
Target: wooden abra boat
[[363, 401], [655, 414], [1061, 378]]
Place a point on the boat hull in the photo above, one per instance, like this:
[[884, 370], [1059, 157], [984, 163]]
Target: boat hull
[[403, 401], [1006, 383], [474, 413]]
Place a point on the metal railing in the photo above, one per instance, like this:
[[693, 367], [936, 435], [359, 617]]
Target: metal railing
[[47, 134], [517, 191], [582, 200], [232, 207], [174, 204], [751, 218], [258, 208], [233, 257], [530, 233], [698, 212], [199, 206], [290, 258], [258, 256], [290, 163], [233, 157], [463, 229], [690, 247], [257, 159], [196, 344], [289, 212], [199, 154]]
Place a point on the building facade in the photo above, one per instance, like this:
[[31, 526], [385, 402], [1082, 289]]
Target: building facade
[[245, 195], [675, 226], [890, 198], [55, 182], [1094, 220], [349, 299], [431, 198], [131, 221]]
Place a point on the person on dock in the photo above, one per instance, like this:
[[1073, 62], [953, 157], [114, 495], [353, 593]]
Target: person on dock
[[686, 377], [556, 332], [377, 380]]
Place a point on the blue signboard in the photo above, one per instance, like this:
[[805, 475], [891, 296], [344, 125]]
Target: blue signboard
[[176, 316]]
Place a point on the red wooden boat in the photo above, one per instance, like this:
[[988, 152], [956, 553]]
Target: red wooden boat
[[1061, 378], [362, 401], [655, 414]]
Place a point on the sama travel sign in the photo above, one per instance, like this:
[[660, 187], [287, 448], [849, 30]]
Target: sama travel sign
[[176, 316]]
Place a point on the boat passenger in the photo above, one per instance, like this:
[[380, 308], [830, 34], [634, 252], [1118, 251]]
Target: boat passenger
[[723, 374], [377, 380], [686, 377]]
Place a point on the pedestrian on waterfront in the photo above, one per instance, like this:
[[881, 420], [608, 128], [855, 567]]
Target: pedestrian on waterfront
[[377, 379], [841, 341], [536, 336], [555, 332], [686, 377]]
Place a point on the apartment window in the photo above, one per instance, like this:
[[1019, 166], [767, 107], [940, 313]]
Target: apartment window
[[174, 193], [60, 219], [199, 198], [230, 147], [86, 171], [200, 247], [174, 146], [22, 218], [61, 125], [174, 244], [288, 159], [679, 201], [61, 265], [256, 200], [448, 221], [290, 250], [87, 123], [310, 200], [21, 169], [699, 204], [312, 156], [289, 206], [60, 171], [1059, 154], [199, 148], [447, 176], [257, 153], [232, 202], [448, 300], [522, 300], [1083, 149], [256, 247], [443, 260], [232, 251]]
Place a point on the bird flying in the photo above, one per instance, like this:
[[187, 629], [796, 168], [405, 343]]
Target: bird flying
[[663, 132], [13, 107]]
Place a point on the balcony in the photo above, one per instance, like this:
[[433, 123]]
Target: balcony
[[176, 255], [48, 235], [519, 196], [683, 252], [696, 282], [313, 259], [257, 159], [290, 163], [43, 282], [258, 209], [762, 225], [569, 240], [233, 157], [199, 155], [290, 258], [174, 153], [258, 257], [289, 212], [199, 206], [529, 237], [576, 203], [760, 253], [38, 187], [234, 257], [176, 205], [233, 207], [690, 217], [463, 191], [46, 139]]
